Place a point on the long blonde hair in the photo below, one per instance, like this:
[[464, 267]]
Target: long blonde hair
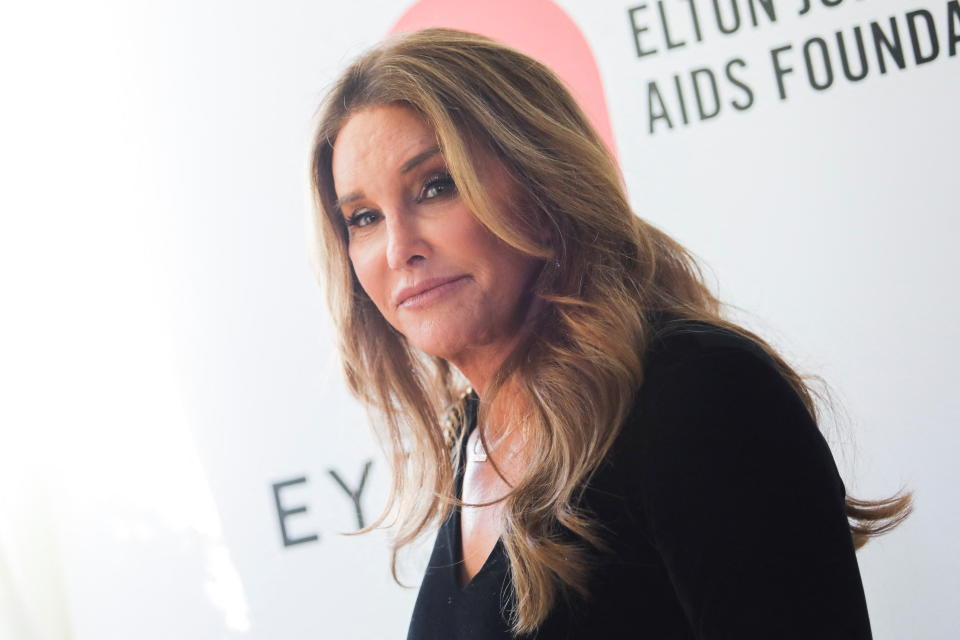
[[604, 272]]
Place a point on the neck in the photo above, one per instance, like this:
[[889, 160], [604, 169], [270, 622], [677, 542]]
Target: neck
[[480, 366], [480, 363]]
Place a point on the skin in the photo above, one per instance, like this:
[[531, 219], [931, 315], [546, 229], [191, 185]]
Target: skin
[[407, 224]]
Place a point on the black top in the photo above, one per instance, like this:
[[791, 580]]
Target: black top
[[723, 506]]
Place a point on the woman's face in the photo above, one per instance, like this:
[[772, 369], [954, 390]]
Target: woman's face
[[435, 273]]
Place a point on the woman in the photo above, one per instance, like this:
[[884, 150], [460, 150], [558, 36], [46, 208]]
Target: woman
[[605, 454]]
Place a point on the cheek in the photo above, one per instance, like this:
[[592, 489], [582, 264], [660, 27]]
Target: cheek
[[514, 271], [365, 268], [507, 265], [470, 238]]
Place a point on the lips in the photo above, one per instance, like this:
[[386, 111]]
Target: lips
[[425, 290]]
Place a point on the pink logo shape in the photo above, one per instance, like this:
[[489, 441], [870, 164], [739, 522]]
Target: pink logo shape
[[538, 28]]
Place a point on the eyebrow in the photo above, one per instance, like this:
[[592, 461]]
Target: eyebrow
[[407, 167]]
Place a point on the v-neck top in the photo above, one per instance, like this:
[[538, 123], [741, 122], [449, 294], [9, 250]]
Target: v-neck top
[[721, 503], [455, 530]]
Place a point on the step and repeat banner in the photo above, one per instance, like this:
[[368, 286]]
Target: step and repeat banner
[[180, 456]]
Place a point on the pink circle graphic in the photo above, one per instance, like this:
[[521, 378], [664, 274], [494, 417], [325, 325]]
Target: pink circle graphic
[[538, 28]]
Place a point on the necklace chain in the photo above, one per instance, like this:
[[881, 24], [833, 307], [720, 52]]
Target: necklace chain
[[480, 452]]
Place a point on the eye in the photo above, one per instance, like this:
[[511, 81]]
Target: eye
[[361, 218], [436, 186]]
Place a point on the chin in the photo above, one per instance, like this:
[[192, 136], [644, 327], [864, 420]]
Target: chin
[[442, 343], [446, 349]]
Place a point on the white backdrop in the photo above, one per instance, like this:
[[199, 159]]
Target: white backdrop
[[168, 361]]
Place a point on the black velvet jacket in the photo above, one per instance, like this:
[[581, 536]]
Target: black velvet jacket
[[723, 506]]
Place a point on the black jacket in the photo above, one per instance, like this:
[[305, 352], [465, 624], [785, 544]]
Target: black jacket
[[723, 506]]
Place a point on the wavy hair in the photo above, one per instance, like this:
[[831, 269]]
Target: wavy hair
[[604, 273]]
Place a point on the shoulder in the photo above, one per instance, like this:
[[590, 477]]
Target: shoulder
[[693, 361], [702, 376], [737, 490], [675, 341], [715, 411]]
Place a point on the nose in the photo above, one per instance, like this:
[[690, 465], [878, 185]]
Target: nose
[[405, 242]]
